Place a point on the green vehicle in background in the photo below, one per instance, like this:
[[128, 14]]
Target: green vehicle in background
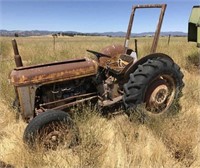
[[194, 26]]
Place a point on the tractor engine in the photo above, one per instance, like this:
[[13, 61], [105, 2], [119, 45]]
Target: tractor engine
[[56, 92], [56, 86]]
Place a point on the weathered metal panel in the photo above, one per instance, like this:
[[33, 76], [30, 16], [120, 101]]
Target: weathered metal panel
[[194, 25], [58, 71], [27, 100], [195, 15], [114, 51]]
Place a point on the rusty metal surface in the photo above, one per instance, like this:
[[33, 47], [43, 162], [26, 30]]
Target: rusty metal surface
[[114, 51], [47, 73], [15, 48], [157, 33], [107, 103], [27, 101], [64, 106], [54, 103], [17, 57]]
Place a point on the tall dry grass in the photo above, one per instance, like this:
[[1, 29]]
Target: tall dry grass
[[116, 142]]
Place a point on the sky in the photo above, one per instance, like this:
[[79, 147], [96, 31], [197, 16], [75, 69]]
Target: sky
[[92, 16]]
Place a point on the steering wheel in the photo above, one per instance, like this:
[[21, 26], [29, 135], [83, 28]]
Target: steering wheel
[[98, 54]]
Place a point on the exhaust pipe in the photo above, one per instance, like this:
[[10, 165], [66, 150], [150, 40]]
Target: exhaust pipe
[[18, 59]]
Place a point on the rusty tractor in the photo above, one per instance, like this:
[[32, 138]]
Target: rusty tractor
[[47, 93]]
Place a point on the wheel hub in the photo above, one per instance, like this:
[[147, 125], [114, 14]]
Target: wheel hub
[[159, 95], [53, 139]]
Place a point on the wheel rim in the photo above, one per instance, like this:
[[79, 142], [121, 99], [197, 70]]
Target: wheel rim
[[54, 135], [160, 94]]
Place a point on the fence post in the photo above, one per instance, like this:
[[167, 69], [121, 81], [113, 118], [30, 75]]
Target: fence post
[[54, 43], [169, 39]]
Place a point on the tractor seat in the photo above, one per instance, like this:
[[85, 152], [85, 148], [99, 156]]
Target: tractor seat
[[123, 61]]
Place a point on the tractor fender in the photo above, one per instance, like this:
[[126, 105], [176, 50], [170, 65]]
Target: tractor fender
[[141, 61]]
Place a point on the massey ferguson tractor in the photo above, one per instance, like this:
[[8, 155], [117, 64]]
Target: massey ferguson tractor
[[46, 94]]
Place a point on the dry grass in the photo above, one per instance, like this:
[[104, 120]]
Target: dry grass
[[113, 143]]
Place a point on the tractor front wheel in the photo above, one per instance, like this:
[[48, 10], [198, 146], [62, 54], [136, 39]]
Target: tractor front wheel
[[51, 129]]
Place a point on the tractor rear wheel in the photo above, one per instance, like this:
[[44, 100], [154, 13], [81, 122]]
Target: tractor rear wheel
[[50, 129], [157, 84]]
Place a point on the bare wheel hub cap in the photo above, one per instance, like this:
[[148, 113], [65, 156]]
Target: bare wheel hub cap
[[52, 139], [159, 95]]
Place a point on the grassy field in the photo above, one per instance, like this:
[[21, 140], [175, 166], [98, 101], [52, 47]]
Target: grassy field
[[111, 143]]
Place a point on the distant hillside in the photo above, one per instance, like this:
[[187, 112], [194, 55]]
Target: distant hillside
[[72, 33]]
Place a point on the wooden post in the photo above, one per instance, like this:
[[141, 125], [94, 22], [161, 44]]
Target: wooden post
[[169, 39], [54, 43]]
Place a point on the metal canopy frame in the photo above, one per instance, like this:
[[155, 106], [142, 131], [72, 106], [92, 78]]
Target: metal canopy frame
[[157, 32]]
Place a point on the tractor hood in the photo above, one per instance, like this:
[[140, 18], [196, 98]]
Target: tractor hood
[[58, 71]]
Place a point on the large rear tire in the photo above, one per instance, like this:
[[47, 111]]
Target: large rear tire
[[157, 84], [51, 129]]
